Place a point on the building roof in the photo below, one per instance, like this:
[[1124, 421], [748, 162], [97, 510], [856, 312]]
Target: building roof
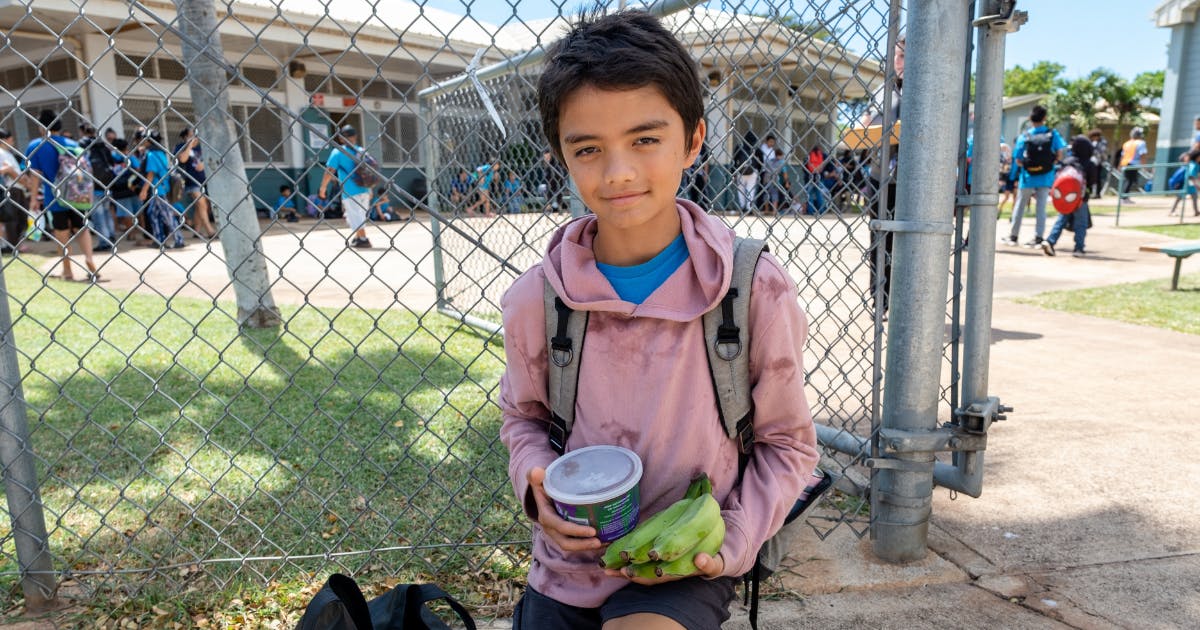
[[1175, 12]]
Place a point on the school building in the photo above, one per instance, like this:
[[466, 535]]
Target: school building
[[1181, 87], [360, 63]]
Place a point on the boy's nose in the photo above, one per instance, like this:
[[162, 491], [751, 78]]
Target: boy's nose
[[619, 168]]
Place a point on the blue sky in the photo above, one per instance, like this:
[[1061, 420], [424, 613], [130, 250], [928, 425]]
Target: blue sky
[[1080, 34]]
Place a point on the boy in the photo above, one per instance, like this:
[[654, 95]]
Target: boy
[[340, 167], [381, 209], [622, 108], [286, 205]]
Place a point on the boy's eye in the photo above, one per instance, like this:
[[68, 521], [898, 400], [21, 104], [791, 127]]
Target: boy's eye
[[647, 140], [584, 151]]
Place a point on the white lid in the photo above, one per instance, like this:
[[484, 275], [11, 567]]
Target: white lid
[[593, 474]]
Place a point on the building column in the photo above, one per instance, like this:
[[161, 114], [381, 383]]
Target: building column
[[296, 100], [103, 87]]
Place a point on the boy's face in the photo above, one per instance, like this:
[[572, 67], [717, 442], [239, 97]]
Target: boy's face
[[626, 151]]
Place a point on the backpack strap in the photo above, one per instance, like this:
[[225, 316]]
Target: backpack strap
[[727, 341], [565, 329]]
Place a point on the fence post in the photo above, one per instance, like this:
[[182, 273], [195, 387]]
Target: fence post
[[925, 200], [20, 476]]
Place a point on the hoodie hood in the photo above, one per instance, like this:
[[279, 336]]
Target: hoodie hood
[[694, 289]]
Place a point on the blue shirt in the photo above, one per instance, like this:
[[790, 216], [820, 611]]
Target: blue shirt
[[285, 202], [43, 157], [637, 282], [342, 162], [1042, 180], [157, 169]]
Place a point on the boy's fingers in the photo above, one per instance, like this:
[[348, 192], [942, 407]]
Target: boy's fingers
[[711, 566], [561, 530]]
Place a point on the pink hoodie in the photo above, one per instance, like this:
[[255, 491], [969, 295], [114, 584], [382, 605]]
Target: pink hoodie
[[644, 384]]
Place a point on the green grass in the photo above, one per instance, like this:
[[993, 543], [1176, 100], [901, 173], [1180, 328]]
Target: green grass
[[1188, 231], [1150, 303], [164, 436]]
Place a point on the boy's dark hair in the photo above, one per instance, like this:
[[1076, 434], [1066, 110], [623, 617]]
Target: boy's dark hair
[[285, 188], [769, 138], [48, 119], [1038, 114], [120, 144], [625, 50], [380, 190]]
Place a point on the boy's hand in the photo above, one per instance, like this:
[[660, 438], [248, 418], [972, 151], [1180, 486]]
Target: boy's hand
[[567, 535], [706, 566]]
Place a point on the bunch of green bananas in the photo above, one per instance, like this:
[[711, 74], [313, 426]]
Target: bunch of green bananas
[[667, 543]]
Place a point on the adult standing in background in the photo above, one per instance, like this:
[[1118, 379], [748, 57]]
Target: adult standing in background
[[553, 185], [1132, 153], [195, 194], [14, 201]]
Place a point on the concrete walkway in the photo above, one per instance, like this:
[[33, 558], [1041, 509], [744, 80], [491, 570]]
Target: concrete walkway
[[1087, 519]]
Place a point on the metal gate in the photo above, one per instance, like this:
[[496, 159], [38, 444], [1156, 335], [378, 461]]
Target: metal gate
[[255, 410]]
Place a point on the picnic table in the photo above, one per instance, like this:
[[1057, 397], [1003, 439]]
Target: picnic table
[[1178, 251]]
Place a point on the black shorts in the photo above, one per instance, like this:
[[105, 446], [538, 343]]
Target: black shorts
[[66, 220], [695, 603]]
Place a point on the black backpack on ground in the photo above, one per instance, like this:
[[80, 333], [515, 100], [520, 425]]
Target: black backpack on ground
[[729, 367], [340, 605], [1039, 155]]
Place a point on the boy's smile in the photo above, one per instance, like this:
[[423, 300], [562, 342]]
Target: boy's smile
[[626, 151]]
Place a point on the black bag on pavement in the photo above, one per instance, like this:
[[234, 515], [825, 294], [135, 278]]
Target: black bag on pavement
[[340, 605]]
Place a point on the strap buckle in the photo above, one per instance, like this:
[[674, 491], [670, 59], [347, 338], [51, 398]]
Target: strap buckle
[[745, 434], [558, 434]]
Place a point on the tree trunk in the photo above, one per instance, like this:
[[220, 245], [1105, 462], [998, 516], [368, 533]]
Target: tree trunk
[[229, 190]]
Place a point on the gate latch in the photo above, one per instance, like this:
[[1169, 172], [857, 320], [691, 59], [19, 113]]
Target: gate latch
[[969, 433]]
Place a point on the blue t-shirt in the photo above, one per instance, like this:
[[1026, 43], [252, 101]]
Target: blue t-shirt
[[43, 157], [637, 282], [1042, 180], [157, 169], [341, 161], [285, 202], [483, 174]]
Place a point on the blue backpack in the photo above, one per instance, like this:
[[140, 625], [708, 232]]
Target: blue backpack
[[1177, 179]]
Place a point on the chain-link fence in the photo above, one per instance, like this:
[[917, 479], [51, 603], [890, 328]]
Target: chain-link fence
[[237, 385]]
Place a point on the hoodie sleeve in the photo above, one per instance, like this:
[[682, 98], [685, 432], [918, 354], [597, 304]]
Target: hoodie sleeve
[[524, 403], [785, 442]]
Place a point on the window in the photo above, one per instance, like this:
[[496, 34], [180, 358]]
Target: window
[[17, 79], [264, 78], [263, 140], [399, 138], [170, 69], [315, 82], [60, 70], [136, 112], [258, 131]]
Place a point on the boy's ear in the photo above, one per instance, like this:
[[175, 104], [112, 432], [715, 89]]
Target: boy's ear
[[697, 141]]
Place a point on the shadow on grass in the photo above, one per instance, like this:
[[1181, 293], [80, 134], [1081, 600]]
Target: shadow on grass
[[164, 437]]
